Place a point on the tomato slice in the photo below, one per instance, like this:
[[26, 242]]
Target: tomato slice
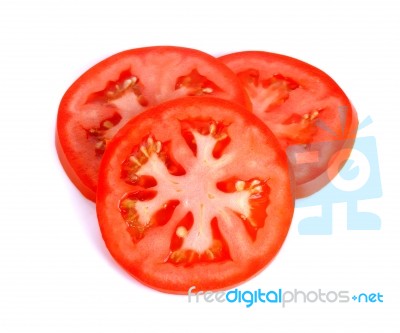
[[104, 98], [305, 108], [194, 192]]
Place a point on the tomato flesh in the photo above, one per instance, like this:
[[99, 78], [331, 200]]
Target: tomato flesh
[[104, 98], [308, 112], [195, 191]]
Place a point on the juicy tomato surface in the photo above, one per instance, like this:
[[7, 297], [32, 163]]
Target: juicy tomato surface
[[194, 192], [309, 113], [104, 98]]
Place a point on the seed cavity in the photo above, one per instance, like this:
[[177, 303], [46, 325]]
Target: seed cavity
[[150, 141], [144, 151], [256, 189], [135, 160], [253, 186], [311, 116], [239, 185], [213, 129], [133, 178], [222, 136], [158, 147], [141, 154], [108, 124], [314, 115], [181, 232], [119, 89], [209, 254], [255, 182], [100, 145], [196, 84]]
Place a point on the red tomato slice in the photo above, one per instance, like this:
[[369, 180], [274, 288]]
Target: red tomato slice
[[104, 98], [194, 192], [308, 112]]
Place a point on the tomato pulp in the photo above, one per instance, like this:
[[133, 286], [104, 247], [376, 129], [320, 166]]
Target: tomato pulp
[[104, 98], [194, 192], [309, 113]]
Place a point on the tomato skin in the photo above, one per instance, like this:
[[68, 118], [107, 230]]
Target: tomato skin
[[300, 89], [85, 105], [86, 191], [145, 260]]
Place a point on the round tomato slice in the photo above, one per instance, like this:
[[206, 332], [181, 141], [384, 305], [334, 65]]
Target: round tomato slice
[[194, 192], [308, 112], [104, 98]]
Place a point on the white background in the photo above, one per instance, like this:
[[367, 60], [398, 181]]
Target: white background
[[55, 273]]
